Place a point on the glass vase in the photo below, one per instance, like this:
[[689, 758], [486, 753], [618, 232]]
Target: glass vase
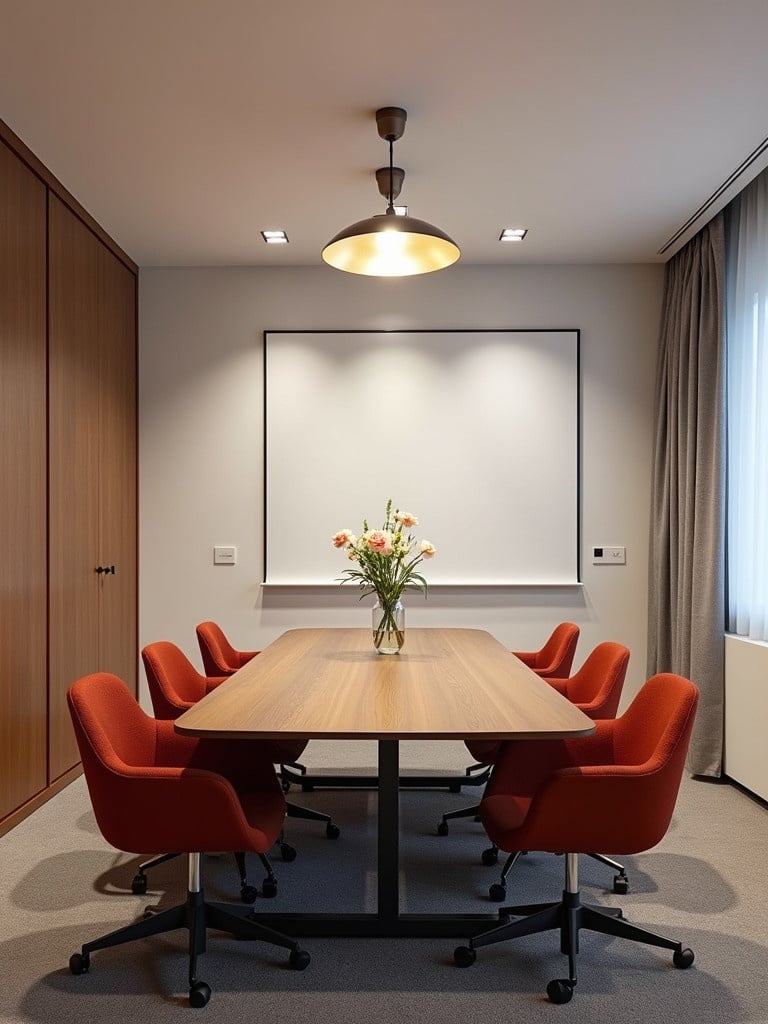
[[388, 627]]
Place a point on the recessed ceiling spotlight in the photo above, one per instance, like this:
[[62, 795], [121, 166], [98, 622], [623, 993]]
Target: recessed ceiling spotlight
[[274, 237], [513, 234]]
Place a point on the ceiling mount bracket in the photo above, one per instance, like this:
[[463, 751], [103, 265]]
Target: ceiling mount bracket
[[390, 122]]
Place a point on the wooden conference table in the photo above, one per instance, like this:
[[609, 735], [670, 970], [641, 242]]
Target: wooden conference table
[[445, 684]]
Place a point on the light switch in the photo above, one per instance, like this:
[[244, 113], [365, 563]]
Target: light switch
[[609, 555], [224, 556]]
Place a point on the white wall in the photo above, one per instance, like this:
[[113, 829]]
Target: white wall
[[746, 713], [201, 441]]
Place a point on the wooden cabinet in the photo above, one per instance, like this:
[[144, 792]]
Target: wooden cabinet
[[23, 607], [118, 471], [68, 465], [92, 468]]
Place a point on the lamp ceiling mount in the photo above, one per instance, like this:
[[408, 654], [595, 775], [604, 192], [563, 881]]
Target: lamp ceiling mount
[[390, 122]]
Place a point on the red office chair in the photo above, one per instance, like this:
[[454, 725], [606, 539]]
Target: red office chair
[[595, 689], [555, 658], [151, 787], [613, 790], [174, 686], [219, 656]]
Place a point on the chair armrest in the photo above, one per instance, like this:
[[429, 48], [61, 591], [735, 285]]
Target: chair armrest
[[169, 810], [607, 808], [246, 764], [211, 682]]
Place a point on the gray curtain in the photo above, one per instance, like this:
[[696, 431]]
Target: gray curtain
[[686, 603]]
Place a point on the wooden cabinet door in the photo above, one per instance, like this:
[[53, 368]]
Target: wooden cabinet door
[[23, 603], [73, 424], [117, 468]]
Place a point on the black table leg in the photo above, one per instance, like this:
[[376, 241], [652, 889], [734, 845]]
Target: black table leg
[[388, 906], [388, 919]]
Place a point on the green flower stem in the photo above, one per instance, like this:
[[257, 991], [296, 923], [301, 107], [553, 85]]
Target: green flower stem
[[387, 624]]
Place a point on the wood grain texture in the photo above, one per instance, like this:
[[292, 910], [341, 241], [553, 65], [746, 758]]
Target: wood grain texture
[[92, 489], [74, 469], [38, 168], [23, 597], [118, 639], [331, 684]]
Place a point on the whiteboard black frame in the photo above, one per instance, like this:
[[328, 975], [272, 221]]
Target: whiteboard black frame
[[480, 584]]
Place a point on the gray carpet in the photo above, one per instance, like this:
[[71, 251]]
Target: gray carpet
[[705, 884]]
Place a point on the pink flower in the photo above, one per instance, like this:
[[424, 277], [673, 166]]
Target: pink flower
[[342, 538], [379, 541], [407, 519], [427, 549]]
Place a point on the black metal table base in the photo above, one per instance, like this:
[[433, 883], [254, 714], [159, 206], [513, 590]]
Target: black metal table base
[[319, 780], [387, 920], [372, 926]]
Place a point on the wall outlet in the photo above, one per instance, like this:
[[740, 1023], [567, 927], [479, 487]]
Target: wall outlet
[[224, 556], [609, 555]]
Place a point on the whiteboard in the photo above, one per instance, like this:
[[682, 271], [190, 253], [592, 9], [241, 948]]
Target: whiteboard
[[475, 432]]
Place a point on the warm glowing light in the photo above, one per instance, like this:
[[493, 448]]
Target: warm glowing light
[[389, 246]]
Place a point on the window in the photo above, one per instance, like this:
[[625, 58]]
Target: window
[[747, 396]]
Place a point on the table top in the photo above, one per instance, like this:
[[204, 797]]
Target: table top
[[332, 684]]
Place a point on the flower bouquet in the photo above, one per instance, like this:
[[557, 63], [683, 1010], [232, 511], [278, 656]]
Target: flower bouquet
[[386, 563]]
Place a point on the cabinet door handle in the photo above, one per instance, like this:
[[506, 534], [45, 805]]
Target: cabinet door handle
[[107, 569]]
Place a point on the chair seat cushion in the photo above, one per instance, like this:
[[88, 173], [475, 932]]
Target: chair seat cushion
[[265, 813]]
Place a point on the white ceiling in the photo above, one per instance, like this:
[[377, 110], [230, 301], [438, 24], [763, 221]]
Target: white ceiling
[[186, 126]]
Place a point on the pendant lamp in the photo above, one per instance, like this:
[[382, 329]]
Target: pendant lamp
[[390, 245]]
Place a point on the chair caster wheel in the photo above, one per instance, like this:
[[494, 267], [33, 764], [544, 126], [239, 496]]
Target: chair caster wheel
[[285, 785], [560, 991], [288, 853], [682, 957], [464, 956], [442, 828], [139, 885], [79, 963], [332, 831], [199, 994], [269, 888], [299, 959], [490, 856], [497, 892], [248, 894], [621, 885]]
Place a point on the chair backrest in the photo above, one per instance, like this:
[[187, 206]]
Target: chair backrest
[[220, 658], [113, 736], [596, 687], [651, 740], [174, 682], [556, 656]]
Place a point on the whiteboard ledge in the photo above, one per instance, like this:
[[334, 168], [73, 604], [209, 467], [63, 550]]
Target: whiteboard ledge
[[442, 585]]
